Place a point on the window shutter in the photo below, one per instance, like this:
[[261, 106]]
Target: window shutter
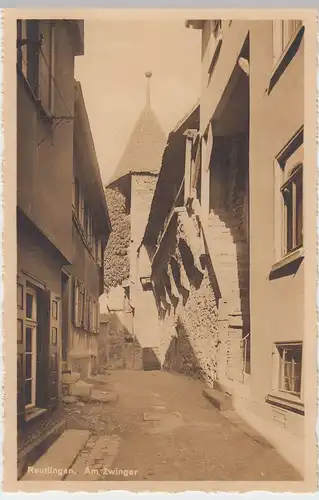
[[85, 306], [54, 342], [76, 302], [21, 300], [32, 66], [52, 67], [81, 206], [90, 315], [97, 316], [44, 67]]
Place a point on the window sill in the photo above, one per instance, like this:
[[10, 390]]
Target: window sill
[[34, 414], [286, 402], [288, 259], [285, 57]]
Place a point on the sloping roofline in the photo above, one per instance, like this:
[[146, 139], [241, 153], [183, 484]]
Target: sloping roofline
[[85, 130]]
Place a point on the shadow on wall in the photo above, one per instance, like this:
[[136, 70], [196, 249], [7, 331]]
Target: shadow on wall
[[190, 319], [151, 359], [117, 347], [180, 356]]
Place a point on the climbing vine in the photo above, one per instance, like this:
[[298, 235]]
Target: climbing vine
[[117, 268]]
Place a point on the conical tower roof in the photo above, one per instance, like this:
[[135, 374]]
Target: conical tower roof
[[144, 151]]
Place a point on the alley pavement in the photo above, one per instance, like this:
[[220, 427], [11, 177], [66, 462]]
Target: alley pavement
[[157, 426]]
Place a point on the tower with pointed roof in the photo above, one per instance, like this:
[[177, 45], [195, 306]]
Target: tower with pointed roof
[[134, 181]]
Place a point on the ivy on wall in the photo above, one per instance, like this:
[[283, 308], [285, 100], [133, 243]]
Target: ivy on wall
[[117, 267]]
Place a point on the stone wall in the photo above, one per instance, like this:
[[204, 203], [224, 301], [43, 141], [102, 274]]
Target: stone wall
[[194, 339], [116, 256], [188, 324], [117, 347]]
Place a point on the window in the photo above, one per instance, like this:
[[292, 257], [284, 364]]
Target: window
[[31, 347], [47, 67], [283, 33], [37, 343], [77, 317], [292, 199], [289, 368], [289, 198], [90, 229], [28, 48], [36, 59]]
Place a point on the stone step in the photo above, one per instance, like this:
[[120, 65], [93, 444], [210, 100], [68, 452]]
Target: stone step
[[231, 257], [59, 457], [218, 399], [229, 223], [70, 378], [81, 389], [226, 239], [224, 215]]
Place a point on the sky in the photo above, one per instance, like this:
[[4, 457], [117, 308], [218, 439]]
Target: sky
[[112, 75]]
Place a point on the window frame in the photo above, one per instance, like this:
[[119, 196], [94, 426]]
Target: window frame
[[283, 36], [288, 165], [277, 391], [32, 324], [288, 248], [37, 71], [28, 53]]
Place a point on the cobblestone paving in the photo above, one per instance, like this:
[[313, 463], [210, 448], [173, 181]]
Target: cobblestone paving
[[159, 427]]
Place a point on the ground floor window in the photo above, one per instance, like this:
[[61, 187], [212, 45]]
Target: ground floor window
[[38, 333], [287, 387], [289, 369], [31, 347], [85, 308]]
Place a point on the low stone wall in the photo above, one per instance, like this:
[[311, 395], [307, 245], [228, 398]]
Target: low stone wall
[[117, 347]]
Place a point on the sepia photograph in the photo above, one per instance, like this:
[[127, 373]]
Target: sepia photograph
[[163, 236]]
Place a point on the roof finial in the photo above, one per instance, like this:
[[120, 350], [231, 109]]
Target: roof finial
[[148, 75]]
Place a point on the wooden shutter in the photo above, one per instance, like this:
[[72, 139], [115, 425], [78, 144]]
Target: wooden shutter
[[85, 309], [33, 71], [43, 368], [44, 67], [81, 207], [91, 315], [21, 301], [77, 303], [54, 342]]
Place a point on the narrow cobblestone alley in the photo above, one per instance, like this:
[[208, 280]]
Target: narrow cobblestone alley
[[161, 257], [158, 426]]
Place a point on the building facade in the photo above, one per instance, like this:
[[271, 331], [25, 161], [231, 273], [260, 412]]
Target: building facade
[[49, 123], [130, 193], [227, 264], [90, 232]]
